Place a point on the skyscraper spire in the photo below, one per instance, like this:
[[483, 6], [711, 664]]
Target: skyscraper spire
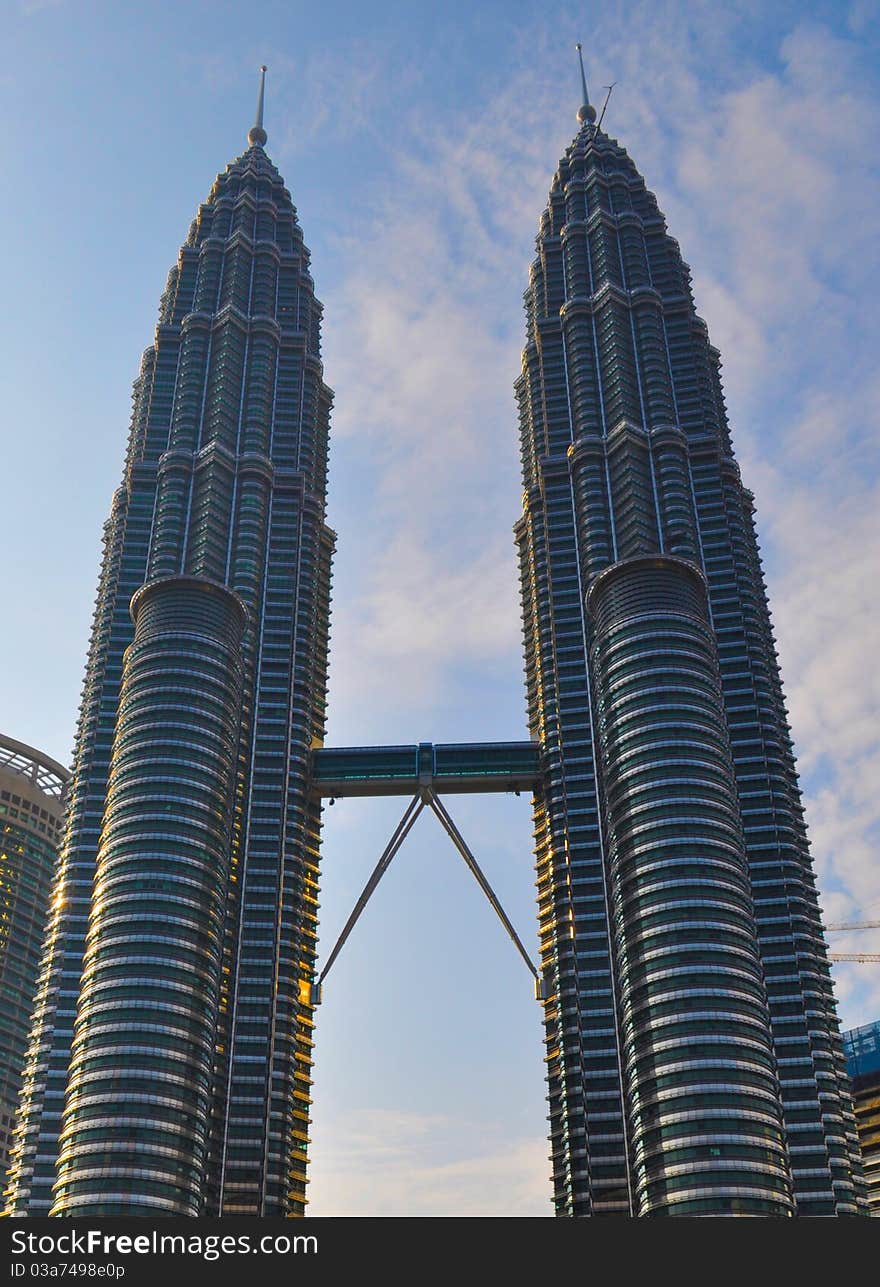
[[257, 135], [586, 111]]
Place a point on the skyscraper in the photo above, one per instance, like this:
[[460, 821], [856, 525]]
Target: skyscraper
[[169, 1069], [862, 1049], [32, 789], [695, 1063]]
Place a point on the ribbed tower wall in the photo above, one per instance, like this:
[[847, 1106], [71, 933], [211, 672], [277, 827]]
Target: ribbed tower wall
[[141, 1077], [626, 453], [703, 1112]]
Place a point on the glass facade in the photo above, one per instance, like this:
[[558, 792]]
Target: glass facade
[[862, 1049], [400, 770], [170, 1061], [32, 794], [693, 1048]]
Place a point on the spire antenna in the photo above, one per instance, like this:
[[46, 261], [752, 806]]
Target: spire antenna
[[586, 111], [604, 106], [257, 135]]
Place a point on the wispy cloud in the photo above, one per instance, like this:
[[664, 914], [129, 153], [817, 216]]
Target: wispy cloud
[[768, 177], [419, 616], [427, 1165], [333, 94], [28, 8], [783, 177], [423, 372]]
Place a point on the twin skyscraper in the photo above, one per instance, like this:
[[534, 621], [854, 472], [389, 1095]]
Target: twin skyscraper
[[695, 1065]]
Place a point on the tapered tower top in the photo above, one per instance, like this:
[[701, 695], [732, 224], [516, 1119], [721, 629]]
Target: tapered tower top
[[586, 111], [257, 135]]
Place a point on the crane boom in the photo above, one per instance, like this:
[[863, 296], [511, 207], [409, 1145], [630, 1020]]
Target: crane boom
[[856, 925], [853, 956]]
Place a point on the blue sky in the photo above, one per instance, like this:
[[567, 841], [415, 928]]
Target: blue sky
[[419, 141]]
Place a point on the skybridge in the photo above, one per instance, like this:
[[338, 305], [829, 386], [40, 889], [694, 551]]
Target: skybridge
[[452, 768], [423, 772]]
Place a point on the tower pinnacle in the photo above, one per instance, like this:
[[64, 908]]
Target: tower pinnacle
[[586, 111], [257, 135]]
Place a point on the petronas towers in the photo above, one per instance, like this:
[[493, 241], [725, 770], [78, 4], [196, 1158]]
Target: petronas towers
[[695, 1065]]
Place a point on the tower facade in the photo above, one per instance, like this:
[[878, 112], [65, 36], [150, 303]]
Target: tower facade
[[169, 1067], [695, 1063], [32, 791]]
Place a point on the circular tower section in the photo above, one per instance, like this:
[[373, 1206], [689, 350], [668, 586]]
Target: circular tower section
[[135, 1131], [700, 1082]]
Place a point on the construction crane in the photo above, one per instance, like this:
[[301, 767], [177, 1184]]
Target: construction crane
[[856, 925], [864, 957]]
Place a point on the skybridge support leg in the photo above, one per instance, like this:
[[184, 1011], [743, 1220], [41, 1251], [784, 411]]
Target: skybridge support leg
[[427, 796], [402, 830], [436, 804]]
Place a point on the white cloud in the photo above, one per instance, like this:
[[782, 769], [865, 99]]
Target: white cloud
[[419, 617], [769, 180], [783, 178], [28, 8], [862, 14], [396, 1158], [425, 419], [331, 95]]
